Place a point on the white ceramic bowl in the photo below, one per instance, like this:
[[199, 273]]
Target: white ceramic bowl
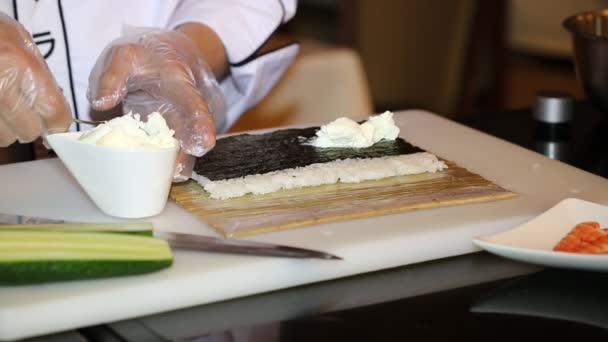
[[122, 182], [534, 240]]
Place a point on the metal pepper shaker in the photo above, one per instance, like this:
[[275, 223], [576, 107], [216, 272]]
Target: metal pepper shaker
[[553, 112], [553, 107]]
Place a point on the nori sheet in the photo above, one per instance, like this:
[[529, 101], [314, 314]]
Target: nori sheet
[[248, 154]]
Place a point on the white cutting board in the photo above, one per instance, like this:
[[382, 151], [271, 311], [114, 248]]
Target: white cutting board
[[44, 188]]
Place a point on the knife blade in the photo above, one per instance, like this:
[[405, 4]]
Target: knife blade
[[222, 245], [200, 242]]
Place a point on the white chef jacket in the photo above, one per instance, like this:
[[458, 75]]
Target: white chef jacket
[[71, 34]]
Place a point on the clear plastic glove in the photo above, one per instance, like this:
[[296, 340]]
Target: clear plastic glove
[[161, 70], [31, 102]]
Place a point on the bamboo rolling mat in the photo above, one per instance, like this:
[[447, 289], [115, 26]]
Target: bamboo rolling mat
[[251, 214]]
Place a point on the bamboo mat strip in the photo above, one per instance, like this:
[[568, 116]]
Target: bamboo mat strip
[[251, 214]]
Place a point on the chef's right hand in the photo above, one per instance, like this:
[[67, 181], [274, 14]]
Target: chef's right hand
[[31, 102]]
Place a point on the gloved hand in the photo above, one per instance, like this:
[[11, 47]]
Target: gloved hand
[[161, 70], [31, 102]]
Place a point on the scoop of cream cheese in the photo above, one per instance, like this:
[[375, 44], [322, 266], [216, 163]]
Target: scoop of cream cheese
[[344, 132], [130, 131]]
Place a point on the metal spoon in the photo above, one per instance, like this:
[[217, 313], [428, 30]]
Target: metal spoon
[[88, 122]]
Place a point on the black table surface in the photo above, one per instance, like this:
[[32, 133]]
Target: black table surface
[[475, 297], [580, 142]]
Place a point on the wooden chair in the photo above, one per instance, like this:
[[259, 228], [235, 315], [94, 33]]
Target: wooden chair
[[444, 56]]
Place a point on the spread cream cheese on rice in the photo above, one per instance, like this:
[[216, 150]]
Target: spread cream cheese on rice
[[130, 131], [344, 132]]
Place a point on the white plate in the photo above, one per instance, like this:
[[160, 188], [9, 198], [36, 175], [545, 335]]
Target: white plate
[[533, 241]]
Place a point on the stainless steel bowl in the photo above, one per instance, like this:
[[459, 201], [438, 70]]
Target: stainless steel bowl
[[590, 42]]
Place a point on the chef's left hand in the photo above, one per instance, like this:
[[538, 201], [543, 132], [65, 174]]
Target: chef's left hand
[[161, 70]]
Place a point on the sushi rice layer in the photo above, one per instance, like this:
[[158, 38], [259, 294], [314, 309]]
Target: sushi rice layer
[[347, 171]]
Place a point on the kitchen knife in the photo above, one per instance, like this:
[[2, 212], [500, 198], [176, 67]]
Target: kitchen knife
[[196, 242]]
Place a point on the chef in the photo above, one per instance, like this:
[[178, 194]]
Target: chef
[[201, 63]]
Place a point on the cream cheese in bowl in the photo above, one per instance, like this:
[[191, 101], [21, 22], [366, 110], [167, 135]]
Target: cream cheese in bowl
[[124, 165], [130, 131]]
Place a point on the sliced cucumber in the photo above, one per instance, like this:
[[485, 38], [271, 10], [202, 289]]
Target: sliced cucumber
[[136, 228], [37, 256]]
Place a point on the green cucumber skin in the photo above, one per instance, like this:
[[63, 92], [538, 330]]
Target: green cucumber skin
[[38, 272], [59, 255], [143, 229], [149, 233]]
